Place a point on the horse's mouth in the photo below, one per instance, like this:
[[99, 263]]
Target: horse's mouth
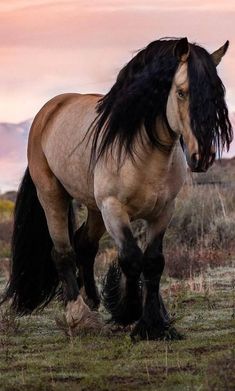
[[199, 169]]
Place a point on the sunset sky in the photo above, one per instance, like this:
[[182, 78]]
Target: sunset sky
[[52, 46]]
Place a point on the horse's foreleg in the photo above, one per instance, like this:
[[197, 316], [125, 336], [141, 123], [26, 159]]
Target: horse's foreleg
[[122, 294], [86, 240], [55, 203], [155, 321]]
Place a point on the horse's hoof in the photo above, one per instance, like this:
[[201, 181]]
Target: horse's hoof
[[144, 331], [80, 318]]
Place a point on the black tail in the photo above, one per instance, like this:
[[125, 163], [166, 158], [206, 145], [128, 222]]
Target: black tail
[[33, 280]]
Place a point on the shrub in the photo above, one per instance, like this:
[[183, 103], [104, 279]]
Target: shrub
[[202, 218], [6, 209]]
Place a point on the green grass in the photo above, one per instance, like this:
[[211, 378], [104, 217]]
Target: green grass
[[36, 355]]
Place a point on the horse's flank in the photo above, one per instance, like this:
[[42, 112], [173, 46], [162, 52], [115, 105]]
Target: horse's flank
[[62, 124]]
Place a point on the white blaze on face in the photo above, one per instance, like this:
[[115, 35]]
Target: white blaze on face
[[178, 111]]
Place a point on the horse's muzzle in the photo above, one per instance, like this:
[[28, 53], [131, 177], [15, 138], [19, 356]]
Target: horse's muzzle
[[198, 164]]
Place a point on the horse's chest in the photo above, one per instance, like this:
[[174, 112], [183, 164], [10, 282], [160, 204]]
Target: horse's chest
[[150, 196], [149, 200], [145, 191]]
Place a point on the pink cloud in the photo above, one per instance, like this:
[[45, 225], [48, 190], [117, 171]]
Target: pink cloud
[[47, 47]]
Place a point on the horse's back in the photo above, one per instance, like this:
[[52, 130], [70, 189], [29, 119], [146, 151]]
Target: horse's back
[[60, 107]]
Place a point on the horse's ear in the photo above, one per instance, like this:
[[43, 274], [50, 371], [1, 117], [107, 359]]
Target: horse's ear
[[218, 54], [182, 49]]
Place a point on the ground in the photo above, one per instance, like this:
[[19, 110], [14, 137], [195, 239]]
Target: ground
[[35, 353]]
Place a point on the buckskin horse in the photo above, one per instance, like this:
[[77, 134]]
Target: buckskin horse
[[122, 155]]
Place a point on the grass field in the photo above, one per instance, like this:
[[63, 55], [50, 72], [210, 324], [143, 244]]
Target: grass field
[[35, 354]]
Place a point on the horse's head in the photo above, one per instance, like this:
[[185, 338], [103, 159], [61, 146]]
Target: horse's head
[[196, 108], [169, 78]]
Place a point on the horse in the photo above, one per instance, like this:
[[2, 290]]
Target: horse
[[124, 156]]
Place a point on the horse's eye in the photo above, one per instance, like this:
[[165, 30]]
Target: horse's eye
[[181, 94]]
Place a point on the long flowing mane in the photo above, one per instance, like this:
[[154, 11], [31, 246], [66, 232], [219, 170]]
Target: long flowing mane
[[208, 110], [140, 94]]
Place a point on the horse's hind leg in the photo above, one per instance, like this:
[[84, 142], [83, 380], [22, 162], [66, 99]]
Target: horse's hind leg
[[86, 243], [122, 294], [55, 202]]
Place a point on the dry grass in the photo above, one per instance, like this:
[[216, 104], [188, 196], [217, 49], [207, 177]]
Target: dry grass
[[204, 217], [9, 323]]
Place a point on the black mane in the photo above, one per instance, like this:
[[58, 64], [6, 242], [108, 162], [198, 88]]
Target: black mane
[[140, 95]]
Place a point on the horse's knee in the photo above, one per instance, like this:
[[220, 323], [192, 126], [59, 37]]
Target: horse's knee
[[117, 223]]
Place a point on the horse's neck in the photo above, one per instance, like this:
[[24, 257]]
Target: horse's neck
[[149, 164]]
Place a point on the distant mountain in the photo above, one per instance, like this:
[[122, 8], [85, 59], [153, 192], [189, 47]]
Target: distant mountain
[[9, 196], [13, 146]]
